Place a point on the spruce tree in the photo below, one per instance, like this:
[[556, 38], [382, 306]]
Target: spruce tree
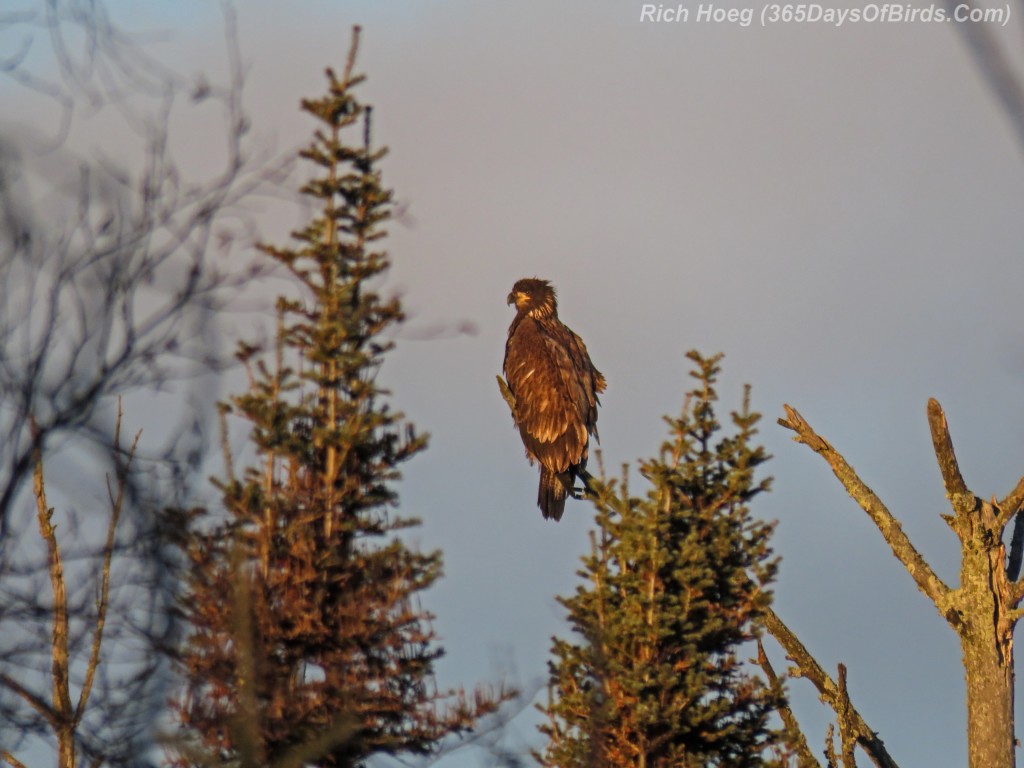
[[307, 642], [674, 585]]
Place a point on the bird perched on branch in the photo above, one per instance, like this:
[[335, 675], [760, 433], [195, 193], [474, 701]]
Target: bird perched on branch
[[552, 389]]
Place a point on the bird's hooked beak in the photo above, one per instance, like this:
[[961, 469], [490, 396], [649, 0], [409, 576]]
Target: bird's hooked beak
[[512, 299]]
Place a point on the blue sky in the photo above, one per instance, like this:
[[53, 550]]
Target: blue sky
[[838, 210]]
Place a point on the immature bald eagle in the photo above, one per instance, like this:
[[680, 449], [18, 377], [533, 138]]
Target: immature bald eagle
[[555, 387]]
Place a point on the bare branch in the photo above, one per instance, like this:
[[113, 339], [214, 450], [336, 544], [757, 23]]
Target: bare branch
[[350, 62], [102, 600], [38, 704], [229, 464], [956, 489], [847, 726], [1014, 500], [925, 578], [59, 638], [830, 747], [805, 758], [509, 398], [807, 666], [1016, 614]]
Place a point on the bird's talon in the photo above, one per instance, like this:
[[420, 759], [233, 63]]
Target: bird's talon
[[582, 494]]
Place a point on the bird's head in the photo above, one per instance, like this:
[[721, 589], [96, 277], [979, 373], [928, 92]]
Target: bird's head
[[532, 295]]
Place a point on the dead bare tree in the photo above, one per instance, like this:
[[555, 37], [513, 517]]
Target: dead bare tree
[[111, 267], [983, 610]]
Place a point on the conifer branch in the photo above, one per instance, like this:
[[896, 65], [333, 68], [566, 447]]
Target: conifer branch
[[338, 733], [675, 582], [831, 693], [243, 725], [325, 656], [225, 445], [926, 579], [350, 61]]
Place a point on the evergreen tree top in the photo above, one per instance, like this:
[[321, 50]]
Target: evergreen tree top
[[674, 584], [307, 632]]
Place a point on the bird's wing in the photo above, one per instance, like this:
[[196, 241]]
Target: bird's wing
[[551, 400], [591, 381]]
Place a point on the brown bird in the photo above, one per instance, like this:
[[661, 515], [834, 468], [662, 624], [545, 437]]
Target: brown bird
[[555, 386]]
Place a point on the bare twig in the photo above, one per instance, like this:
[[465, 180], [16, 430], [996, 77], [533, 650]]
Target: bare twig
[[106, 288], [350, 62], [831, 758], [59, 638], [509, 398], [37, 703], [847, 726], [805, 758], [229, 463], [1014, 500], [12, 759], [956, 488], [807, 666], [102, 601]]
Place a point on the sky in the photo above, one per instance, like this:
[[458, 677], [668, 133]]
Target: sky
[[836, 208]]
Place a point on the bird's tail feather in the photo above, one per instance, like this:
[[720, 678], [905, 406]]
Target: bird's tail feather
[[551, 494]]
